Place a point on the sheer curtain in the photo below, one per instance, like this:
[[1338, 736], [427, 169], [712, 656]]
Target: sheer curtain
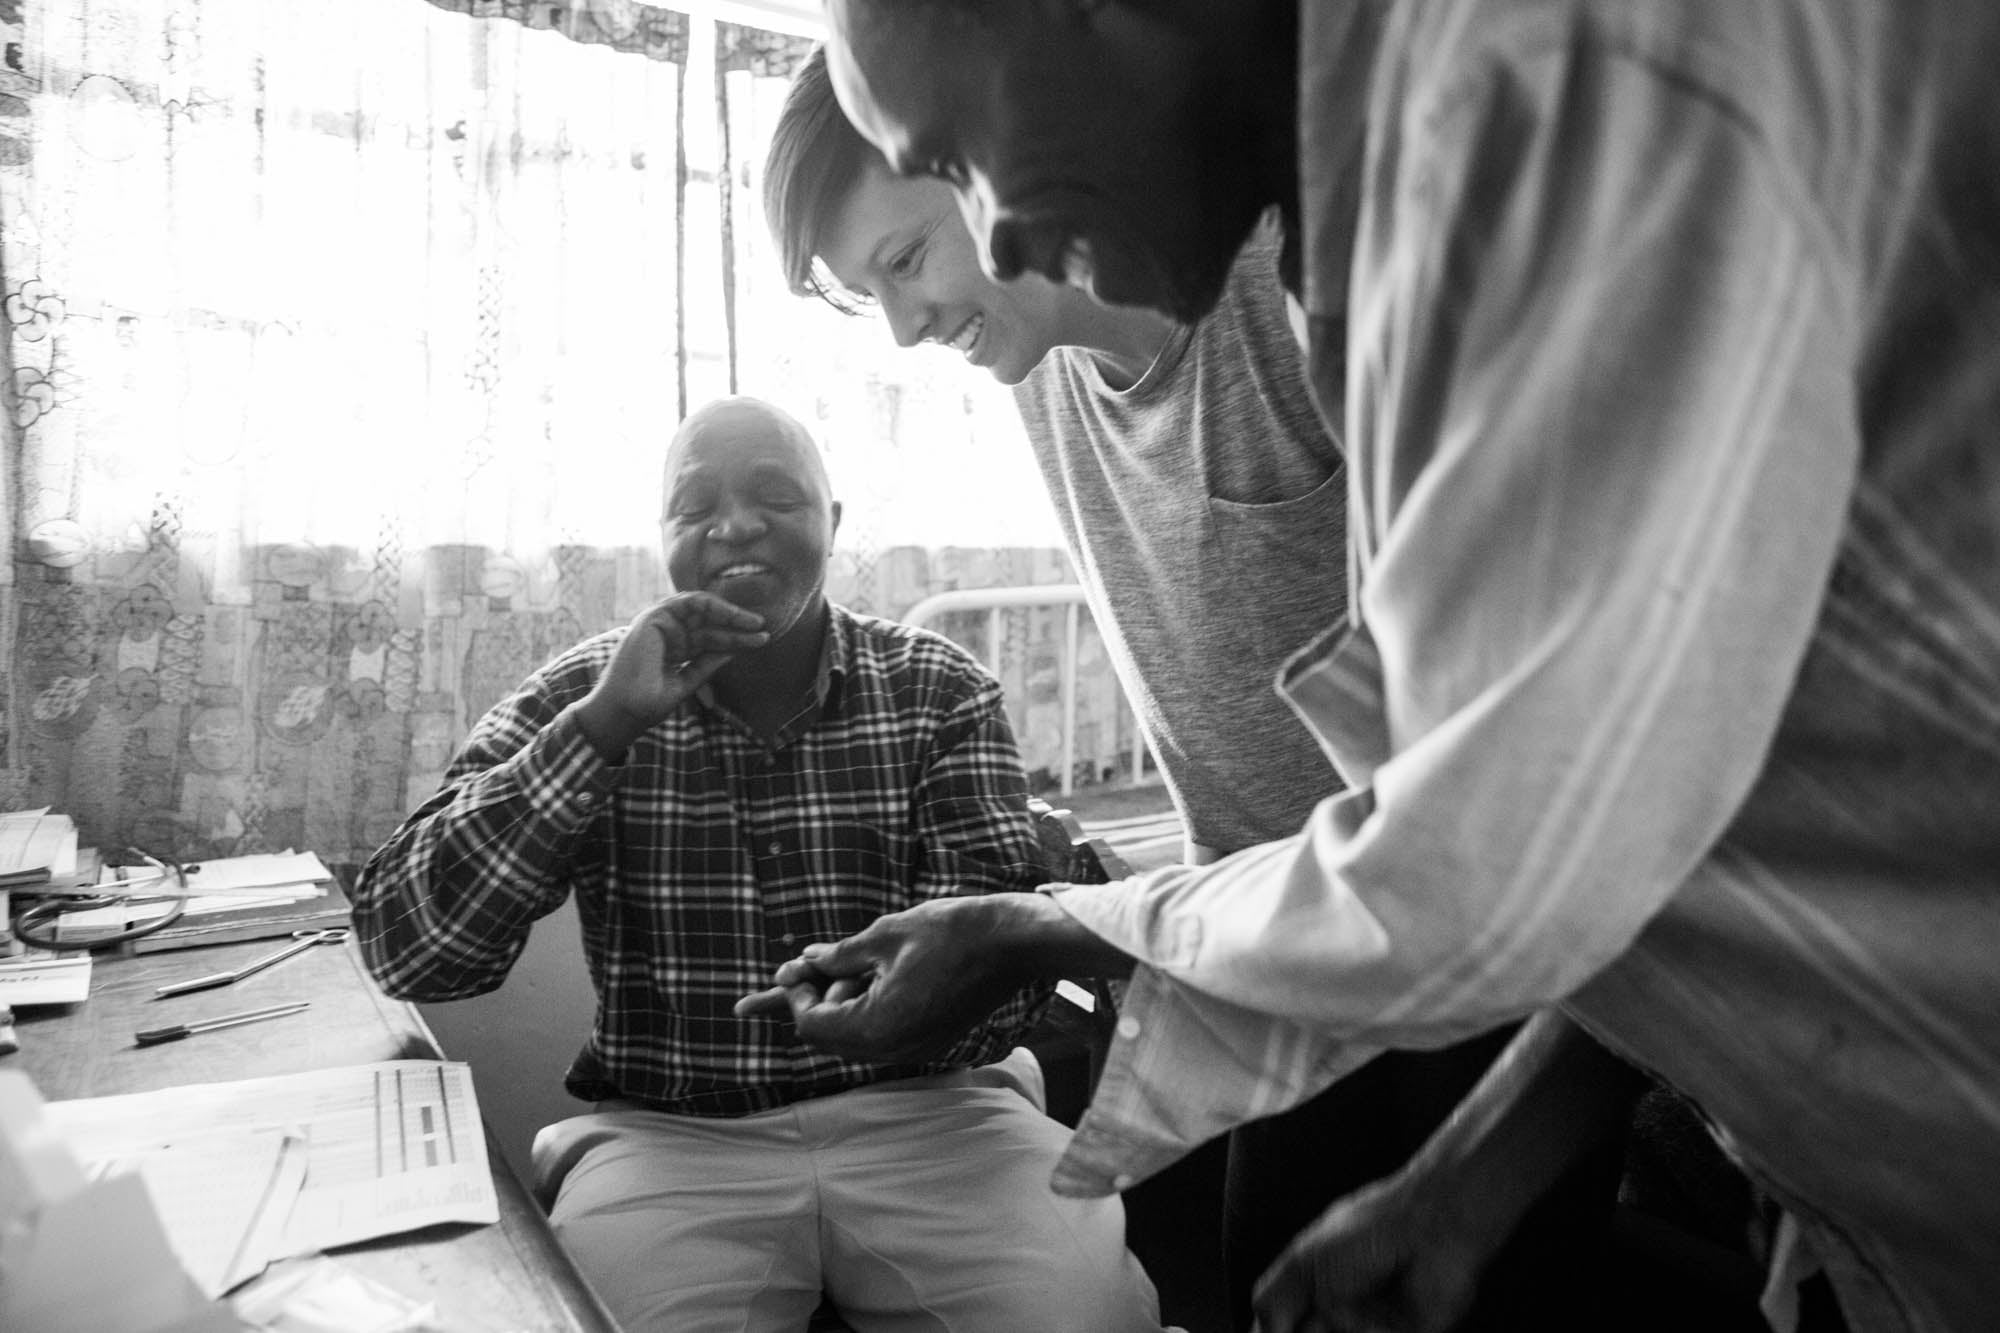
[[336, 338], [287, 272], [341, 341]]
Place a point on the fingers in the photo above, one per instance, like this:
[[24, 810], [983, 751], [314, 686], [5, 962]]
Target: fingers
[[767, 1003], [706, 610], [694, 672], [823, 963], [833, 1014], [798, 986], [840, 1025], [694, 636], [820, 1004]]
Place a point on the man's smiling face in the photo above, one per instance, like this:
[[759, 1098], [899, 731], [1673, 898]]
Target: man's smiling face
[[749, 516], [1084, 141]]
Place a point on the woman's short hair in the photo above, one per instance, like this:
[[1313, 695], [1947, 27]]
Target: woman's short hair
[[815, 160]]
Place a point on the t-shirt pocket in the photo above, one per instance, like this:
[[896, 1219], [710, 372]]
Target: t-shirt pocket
[[1289, 554]]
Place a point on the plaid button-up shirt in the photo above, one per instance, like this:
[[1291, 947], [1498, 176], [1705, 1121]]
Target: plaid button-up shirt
[[709, 857]]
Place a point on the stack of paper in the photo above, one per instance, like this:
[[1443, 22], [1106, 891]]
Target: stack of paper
[[233, 898], [36, 847], [38, 855], [252, 897]]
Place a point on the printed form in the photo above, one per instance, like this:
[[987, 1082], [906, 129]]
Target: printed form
[[249, 1172]]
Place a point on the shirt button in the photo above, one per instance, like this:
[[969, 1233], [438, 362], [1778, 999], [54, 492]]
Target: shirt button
[[786, 938], [586, 798], [774, 847], [1128, 1027], [1122, 1181]]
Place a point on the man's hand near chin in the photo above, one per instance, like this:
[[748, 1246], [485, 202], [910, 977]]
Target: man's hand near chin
[[915, 981]]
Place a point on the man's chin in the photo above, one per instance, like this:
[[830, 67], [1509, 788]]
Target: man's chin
[[749, 595], [786, 616]]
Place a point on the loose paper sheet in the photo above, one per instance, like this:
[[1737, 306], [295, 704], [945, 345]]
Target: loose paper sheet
[[224, 1198], [388, 1147]]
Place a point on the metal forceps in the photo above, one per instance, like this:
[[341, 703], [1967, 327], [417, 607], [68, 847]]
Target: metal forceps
[[301, 941]]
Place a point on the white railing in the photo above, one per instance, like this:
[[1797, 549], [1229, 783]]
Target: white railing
[[996, 602]]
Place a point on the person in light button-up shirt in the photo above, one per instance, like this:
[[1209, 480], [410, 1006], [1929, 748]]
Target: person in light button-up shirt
[[1671, 692]]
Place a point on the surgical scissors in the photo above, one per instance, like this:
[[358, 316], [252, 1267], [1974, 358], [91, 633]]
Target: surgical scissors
[[301, 941]]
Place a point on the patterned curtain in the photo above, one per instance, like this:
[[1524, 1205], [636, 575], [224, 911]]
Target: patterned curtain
[[326, 326], [638, 29], [340, 344]]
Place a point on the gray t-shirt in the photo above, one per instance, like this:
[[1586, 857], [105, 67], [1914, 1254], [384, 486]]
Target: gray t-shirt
[[1205, 508]]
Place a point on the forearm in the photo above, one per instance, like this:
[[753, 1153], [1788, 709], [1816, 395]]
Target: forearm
[[1045, 937], [1551, 1098], [609, 728], [980, 840]]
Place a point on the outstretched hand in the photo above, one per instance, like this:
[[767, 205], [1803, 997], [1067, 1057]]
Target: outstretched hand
[[1392, 1257], [910, 984]]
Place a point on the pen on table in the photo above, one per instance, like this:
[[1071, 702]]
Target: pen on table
[[154, 1036]]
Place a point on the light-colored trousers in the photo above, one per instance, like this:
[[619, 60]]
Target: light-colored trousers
[[922, 1204]]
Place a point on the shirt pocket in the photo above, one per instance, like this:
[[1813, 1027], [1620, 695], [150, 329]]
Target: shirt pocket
[[1288, 561], [1308, 529]]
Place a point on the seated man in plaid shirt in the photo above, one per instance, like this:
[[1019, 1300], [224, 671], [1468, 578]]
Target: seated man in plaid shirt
[[744, 768]]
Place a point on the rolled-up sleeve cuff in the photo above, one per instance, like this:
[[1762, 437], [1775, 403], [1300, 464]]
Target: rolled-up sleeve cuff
[[1120, 914], [1184, 1067]]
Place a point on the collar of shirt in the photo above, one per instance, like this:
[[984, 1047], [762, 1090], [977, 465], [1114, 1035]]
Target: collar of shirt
[[836, 651]]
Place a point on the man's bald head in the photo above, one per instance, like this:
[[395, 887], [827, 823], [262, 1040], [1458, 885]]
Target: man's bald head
[[718, 423]]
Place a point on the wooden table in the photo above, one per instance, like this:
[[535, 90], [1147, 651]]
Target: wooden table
[[484, 1279]]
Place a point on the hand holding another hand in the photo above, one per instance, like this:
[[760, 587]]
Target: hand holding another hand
[[913, 982]]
